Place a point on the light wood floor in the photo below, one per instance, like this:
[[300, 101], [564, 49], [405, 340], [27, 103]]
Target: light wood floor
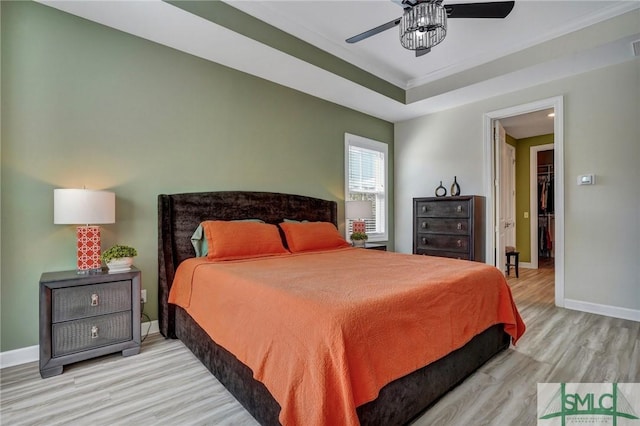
[[166, 385]]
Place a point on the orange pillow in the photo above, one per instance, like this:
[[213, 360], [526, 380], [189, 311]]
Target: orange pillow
[[309, 236], [242, 240]]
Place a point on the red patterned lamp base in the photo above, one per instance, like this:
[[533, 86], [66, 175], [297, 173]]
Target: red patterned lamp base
[[359, 226], [89, 249]]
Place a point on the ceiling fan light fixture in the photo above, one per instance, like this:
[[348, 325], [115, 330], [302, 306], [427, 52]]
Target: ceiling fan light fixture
[[423, 26]]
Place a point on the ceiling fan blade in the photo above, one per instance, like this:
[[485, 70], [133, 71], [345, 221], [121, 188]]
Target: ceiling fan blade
[[498, 9], [421, 52], [373, 31]]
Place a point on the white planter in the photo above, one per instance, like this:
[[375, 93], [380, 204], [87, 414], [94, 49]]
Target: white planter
[[358, 243], [121, 264]]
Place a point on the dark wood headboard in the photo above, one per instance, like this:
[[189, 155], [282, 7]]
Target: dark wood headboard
[[180, 214]]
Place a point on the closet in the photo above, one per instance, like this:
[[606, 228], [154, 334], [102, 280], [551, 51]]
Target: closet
[[546, 217]]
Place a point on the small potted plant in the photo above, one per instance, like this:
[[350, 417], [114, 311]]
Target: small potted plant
[[119, 258], [358, 239]]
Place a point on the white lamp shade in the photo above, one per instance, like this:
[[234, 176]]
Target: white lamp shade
[[83, 206], [358, 210]]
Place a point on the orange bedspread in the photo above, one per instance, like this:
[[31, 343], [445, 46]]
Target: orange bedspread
[[326, 331]]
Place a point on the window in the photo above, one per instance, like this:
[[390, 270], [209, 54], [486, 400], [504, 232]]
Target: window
[[366, 179]]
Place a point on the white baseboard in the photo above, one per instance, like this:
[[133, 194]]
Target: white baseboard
[[155, 328], [607, 310], [19, 356], [32, 353]]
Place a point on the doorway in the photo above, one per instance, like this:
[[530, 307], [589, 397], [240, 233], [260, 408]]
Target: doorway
[[492, 160], [542, 205]]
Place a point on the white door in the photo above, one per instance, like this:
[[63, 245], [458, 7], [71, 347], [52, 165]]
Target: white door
[[508, 195], [499, 140]]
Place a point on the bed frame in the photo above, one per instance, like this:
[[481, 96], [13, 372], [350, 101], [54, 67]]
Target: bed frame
[[398, 402]]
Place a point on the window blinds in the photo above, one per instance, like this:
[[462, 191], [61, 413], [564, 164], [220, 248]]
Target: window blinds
[[366, 182]]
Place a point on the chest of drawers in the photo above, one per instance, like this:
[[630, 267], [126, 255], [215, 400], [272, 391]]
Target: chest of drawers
[[84, 316], [449, 227]]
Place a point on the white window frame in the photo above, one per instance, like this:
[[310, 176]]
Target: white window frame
[[382, 215]]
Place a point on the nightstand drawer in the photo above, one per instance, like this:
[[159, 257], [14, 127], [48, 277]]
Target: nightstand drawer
[[88, 333], [453, 243], [445, 208], [443, 226], [89, 300]]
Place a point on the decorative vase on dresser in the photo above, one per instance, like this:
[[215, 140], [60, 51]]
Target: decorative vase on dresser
[[450, 227]]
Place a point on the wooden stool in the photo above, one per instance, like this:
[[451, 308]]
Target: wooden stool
[[516, 255]]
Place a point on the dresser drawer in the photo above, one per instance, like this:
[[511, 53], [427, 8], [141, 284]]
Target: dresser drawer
[[440, 253], [455, 243], [77, 302], [460, 226], [444, 208], [88, 333]]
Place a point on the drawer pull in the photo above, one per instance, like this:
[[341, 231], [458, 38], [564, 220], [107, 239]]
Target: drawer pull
[[459, 209], [94, 300], [459, 226], [424, 209], [424, 225], [94, 332], [424, 240], [459, 243]]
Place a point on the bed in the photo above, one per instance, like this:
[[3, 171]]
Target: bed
[[397, 402]]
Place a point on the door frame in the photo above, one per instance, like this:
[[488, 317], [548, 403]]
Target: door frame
[[499, 230], [490, 181]]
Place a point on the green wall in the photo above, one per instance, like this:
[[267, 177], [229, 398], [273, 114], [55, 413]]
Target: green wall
[[228, 16], [523, 192], [85, 105]]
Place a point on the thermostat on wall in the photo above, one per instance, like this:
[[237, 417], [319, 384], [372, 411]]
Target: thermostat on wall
[[587, 179]]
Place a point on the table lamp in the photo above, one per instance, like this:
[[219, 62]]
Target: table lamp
[[357, 211], [85, 208]]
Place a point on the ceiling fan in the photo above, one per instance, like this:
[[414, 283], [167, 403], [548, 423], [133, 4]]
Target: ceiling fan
[[424, 22]]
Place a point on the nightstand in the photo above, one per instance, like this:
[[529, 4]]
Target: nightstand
[[374, 246], [85, 316]]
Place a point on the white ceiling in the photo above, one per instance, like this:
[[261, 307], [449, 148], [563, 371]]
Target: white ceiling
[[327, 23], [527, 125], [469, 42]]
